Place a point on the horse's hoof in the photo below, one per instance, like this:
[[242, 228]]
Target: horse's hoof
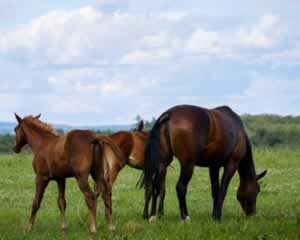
[[93, 230], [111, 228], [152, 219], [217, 219], [187, 219], [28, 227], [64, 226]]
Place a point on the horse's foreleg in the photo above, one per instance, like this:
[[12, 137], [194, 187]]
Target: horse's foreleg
[[186, 173], [61, 201], [90, 200], [215, 185], [229, 171], [40, 185]]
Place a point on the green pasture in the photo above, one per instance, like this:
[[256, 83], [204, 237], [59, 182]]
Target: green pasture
[[278, 206]]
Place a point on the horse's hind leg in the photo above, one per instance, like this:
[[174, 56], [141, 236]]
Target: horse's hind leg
[[41, 185], [104, 187], [147, 200], [186, 173], [215, 185], [114, 171], [163, 172], [61, 201], [90, 200]]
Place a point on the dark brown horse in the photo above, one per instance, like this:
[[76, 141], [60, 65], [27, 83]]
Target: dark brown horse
[[200, 137], [78, 153], [132, 145]]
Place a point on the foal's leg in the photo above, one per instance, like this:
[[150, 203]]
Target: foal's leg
[[186, 173], [40, 186], [104, 188], [215, 185], [61, 201], [229, 171], [90, 200]]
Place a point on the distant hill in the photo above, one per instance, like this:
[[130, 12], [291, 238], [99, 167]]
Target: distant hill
[[8, 127]]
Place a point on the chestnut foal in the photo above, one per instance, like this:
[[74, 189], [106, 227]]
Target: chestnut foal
[[132, 145], [78, 153]]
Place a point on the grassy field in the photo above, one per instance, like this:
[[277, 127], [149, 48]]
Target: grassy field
[[278, 206]]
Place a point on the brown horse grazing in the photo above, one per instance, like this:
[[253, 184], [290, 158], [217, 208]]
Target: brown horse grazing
[[78, 153], [200, 137], [132, 145]]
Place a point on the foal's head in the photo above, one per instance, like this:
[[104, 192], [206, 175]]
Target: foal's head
[[247, 194], [21, 140]]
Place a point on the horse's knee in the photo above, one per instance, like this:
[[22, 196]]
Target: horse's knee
[[90, 199]]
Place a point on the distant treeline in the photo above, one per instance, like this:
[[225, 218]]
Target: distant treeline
[[273, 130], [263, 130]]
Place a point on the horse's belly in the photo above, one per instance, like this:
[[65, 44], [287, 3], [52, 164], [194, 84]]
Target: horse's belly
[[135, 162]]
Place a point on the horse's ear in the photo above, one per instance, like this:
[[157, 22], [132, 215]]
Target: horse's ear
[[37, 116], [19, 119], [141, 126], [261, 175]]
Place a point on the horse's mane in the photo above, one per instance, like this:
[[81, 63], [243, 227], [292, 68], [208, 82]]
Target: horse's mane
[[41, 125]]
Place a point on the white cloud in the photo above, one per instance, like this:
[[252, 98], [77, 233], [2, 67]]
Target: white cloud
[[90, 36], [268, 95], [266, 34], [141, 57], [205, 42], [172, 16]]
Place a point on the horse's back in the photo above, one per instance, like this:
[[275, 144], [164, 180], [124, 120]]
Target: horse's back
[[204, 135]]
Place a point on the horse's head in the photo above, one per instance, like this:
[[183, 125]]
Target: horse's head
[[21, 140], [248, 192]]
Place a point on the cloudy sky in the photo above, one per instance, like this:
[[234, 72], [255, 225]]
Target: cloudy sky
[[103, 62]]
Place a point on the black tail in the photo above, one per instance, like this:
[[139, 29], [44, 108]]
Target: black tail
[[152, 155]]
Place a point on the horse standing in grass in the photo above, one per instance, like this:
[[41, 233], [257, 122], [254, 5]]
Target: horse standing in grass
[[132, 145], [197, 136], [78, 153]]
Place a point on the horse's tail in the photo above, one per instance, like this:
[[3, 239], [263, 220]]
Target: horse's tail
[[106, 140], [100, 140], [153, 155]]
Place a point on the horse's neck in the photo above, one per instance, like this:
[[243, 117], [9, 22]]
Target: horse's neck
[[34, 137], [247, 169]]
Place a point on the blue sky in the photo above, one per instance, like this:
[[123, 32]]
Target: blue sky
[[105, 61]]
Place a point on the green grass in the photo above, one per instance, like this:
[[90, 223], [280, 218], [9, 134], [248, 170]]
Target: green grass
[[278, 206]]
